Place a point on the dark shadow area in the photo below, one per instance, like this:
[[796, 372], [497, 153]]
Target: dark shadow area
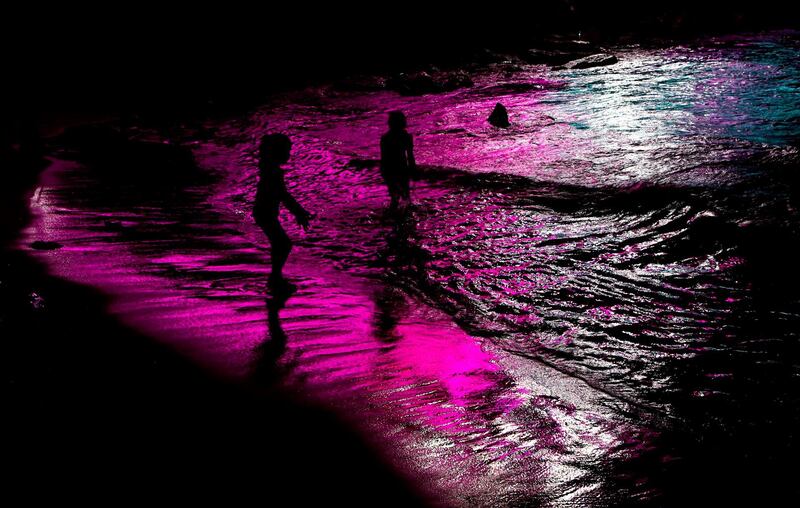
[[734, 443], [390, 307]]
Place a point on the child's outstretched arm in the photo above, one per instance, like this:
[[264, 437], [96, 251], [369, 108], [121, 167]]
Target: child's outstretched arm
[[301, 215]]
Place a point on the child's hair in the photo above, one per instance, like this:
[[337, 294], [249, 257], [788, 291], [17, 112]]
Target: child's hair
[[397, 120], [275, 148]]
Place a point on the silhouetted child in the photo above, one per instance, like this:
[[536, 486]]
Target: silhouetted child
[[274, 151], [397, 158]]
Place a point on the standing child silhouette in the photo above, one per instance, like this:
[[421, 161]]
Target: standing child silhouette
[[397, 158], [274, 150]]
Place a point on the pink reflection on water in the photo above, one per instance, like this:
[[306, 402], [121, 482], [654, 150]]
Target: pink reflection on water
[[462, 369]]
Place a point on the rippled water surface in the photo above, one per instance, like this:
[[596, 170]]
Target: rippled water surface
[[587, 307]]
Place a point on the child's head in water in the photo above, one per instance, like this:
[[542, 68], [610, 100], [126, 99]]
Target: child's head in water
[[397, 120], [275, 149]]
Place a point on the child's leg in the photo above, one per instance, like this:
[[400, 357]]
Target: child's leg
[[388, 180], [281, 247], [405, 188], [395, 192]]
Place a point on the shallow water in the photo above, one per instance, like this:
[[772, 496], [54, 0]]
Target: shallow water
[[620, 265]]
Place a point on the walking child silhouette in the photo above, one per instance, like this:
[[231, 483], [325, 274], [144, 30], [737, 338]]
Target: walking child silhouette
[[274, 151]]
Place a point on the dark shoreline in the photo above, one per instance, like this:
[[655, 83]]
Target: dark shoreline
[[95, 410]]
